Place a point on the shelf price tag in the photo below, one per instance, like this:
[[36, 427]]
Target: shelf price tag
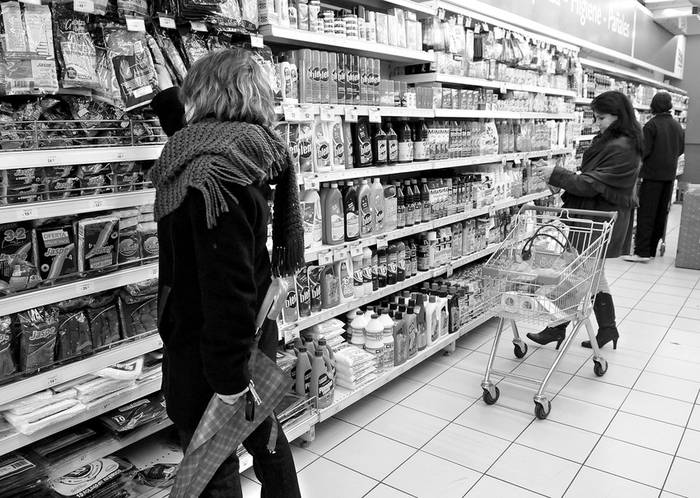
[[166, 22], [135, 24], [51, 159], [256, 41], [87, 6], [83, 288], [382, 242], [27, 213], [504, 88], [375, 115], [198, 26], [31, 2], [290, 334], [450, 270], [356, 250], [153, 272], [351, 114], [340, 254], [311, 182], [307, 113], [326, 113], [97, 203], [492, 210], [52, 381], [504, 161], [325, 257]]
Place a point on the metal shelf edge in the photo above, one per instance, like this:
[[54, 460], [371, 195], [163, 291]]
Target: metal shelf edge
[[87, 155]]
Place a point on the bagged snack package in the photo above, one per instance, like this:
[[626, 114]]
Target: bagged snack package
[[125, 370], [20, 185], [129, 249], [138, 307], [171, 55], [133, 67], [135, 414], [37, 337], [148, 234], [98, 240], [7, 353], [103, 317], [95, 179], [132, 8], [194, 47], [127, 177], [74, 337], [293, 143], [54, 251], [76, 53], [16, 271], [107, 90], [60, 182]]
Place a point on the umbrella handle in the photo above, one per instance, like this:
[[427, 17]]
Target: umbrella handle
[[273, 302]]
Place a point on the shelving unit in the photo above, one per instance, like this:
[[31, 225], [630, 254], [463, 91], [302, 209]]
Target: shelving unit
[[484, 114], [70, 290], [503, 86], [301, 38], [59, 375], [587, 101], [68, 157]]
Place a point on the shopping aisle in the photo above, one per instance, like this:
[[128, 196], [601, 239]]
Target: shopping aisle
[[632, 433]]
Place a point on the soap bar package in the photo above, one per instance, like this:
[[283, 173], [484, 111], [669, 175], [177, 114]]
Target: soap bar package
[[54, 251], [98, 240]]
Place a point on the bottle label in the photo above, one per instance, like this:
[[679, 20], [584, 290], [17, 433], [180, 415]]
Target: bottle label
[[405, 152], [420, 152], [367, 274], [366, 215], [381, 151], [325, 385], [358, 277], [352, 225], [337, 227], [380, 217], [346, 286], [393, 150]]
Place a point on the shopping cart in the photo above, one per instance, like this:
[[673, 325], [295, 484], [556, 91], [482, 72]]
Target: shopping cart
[[546, 273]]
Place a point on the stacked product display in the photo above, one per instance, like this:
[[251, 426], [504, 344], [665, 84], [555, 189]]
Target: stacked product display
[[417, 134]]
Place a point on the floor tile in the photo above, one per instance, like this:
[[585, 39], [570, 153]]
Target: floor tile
[[302, 457], [490, 487], [384, 491], [631, 462], [670, 387], [460, 381], [407, 426], [690, 446], [535, 470], [495, 420], [660, 287], [448, 360], [476, 362], [592, 482], [364, 411], [690, 312], [674, 368], [447, 479], [688, 324], [329, 434], [650, 317], [570, 363], [426, 371], [626, 357], [370, 454], [581, 414], [438, 402], [559, 439], [556, 382], [646, 432], [667, 410], [324, 478], [468, 447], [679, 350], [592, 391], [694, 422], [618, 375], [398, 389], [249, 488], [683, 478]]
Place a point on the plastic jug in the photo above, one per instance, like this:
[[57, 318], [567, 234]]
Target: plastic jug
[[378, 205], [311, 216], [374, 340], [333, 218], [365, 202]]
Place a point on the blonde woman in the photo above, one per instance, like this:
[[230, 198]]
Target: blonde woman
[[212, 190]]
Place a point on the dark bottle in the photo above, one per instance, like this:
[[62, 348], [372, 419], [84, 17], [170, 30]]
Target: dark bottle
[[362, 143], [352, 212], [405, 143], [379, 146], [392, 265], [382, 263], [392, 141], [408, 201], [425, 200], [420, 145], [401, 262], [417, 203], [400, 206], [375, 270]]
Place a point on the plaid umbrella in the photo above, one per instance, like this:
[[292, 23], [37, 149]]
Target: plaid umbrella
[[224, 427]]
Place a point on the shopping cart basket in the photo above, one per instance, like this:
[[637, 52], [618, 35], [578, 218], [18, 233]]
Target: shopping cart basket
[[546, 273]]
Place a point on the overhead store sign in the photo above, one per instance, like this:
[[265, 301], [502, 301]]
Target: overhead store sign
[[616, 25]]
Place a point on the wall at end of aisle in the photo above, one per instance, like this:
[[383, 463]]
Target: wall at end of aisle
[[691, 83]]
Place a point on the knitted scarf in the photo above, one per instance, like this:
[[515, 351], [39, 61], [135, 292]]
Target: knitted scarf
[[211, 155]]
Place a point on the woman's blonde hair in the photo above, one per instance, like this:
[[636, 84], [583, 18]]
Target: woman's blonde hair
[[230, 85]]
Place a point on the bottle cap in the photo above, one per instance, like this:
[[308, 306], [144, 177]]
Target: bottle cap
[[374, 316]]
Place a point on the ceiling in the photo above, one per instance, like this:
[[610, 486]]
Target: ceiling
[[676, 15]]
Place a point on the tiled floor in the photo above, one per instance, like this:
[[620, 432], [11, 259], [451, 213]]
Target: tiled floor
[[633, 433]]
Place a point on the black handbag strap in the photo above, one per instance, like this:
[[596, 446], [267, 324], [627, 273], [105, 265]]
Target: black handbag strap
[[526, 252]]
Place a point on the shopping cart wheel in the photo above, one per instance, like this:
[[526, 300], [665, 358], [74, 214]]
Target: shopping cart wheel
[[489, 398], [519, 351], [600, 367], [542, 411]]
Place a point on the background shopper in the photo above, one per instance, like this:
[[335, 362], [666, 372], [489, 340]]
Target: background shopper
[[606, 182], [212, 209], [664, 142]]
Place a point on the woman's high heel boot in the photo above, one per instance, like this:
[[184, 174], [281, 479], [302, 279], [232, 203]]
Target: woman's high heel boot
[[604, 310], [550, 334]]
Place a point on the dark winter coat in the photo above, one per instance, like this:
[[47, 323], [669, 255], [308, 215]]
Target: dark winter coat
[[212, 282], [606, 182], [664, 141]]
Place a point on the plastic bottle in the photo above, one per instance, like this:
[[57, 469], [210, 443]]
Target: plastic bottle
[[400, 206], [379, 146], [303, 375], [365, 209], [390, 207], [311, 215], [453, 310], [367, 271], [421, 327], [330, 287], [392, 141], [321, 384], [382, 267], [388, 340], [392, 265], [443, 314], [290, 312], [411, 331], [358, 282], [417, 203], [426, 214], [420, 150], [408, 202], [374, 340], [432, 319], [405, 144], [333, 218], [357, 329], [432, 247], [400, 261], [375, 270], [345, 278], [400, 340], [351, 208], [377, 197], [413, 257]]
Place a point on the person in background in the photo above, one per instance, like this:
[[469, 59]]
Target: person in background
[[664, 142], [212, 190], [606, 182]]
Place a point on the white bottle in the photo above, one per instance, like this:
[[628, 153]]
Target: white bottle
[[388, 340], [432, 319], [390, 207], [357, 329], [378, 207], [374, 340], [443, 315], [311, 216], [357, 277], [367, 270]]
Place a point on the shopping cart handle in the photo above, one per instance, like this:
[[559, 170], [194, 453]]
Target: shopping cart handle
[[584, 213]]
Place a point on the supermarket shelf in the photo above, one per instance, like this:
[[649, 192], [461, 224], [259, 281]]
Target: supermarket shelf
[[15, 440], [91, 364], [303, 112], [85, 155], [451, 79], [587, 101], [76, 205], [343, 398], [584, 138], [427, 8], [49, 295], [629, 74], [486, 114], [104, 447], [415, 167], [292, 36]]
